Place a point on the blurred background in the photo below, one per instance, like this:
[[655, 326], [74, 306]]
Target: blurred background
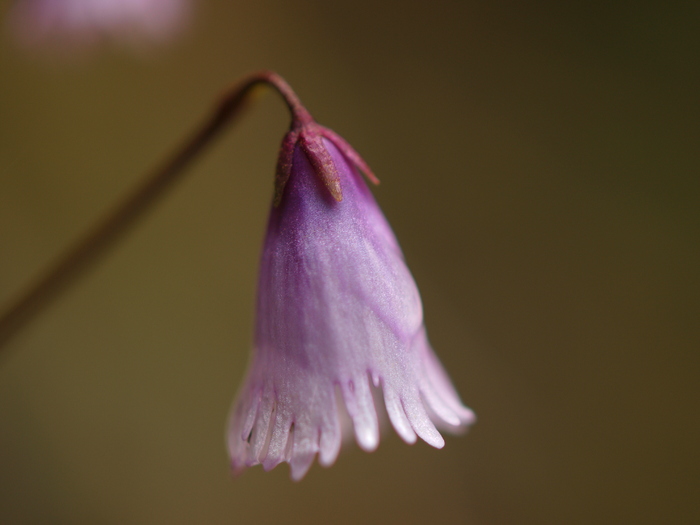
[[540, 167]]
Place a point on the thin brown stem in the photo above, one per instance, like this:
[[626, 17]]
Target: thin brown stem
[[126, 214]]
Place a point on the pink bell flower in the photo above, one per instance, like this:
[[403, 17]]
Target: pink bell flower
[[338, 316], [77, 24]]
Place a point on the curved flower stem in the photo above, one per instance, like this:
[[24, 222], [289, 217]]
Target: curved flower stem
[[126, 214]]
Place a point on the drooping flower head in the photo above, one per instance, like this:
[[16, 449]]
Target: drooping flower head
[[78, 24], [338, 313]]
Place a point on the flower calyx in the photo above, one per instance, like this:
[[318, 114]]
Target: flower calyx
[[309, 136]]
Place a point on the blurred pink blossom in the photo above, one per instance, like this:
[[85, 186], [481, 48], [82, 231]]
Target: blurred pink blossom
[[80, 24]]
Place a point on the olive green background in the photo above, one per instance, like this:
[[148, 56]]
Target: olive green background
[[540, 165]]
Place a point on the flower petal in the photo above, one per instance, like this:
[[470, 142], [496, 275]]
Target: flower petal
[[398, 417]]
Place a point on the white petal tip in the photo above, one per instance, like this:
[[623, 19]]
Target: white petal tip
[[300, 466], [325, 462], [437, 443], [452, 419], [368, 441], [427, 432], [268, 465], [468, 417], [409, 439], [328, 455]]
